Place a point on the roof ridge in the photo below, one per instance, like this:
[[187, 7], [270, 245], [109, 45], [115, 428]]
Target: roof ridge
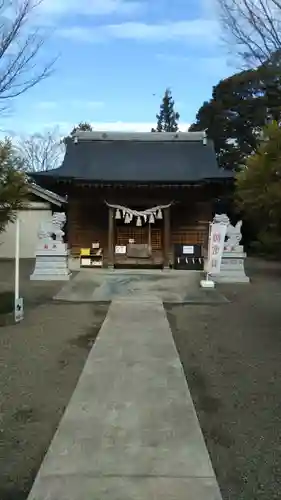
[[140, 136]]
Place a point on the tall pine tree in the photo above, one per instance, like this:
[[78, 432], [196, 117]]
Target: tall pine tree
[[83, 127], [167, 119]]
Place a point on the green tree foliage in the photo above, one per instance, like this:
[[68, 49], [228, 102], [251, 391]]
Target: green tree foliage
[[13, 185], [238, 110], [167, 119], [258, 189], [82, 126]]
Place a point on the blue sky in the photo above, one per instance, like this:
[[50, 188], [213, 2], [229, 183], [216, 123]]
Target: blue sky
[[116, 57]]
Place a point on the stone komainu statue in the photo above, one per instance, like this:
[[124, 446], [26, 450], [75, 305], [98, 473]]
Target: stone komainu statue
[[52, 230], [233, 234]]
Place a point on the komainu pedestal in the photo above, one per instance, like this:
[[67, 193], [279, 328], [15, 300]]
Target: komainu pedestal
[[232, 267], [51, 262]]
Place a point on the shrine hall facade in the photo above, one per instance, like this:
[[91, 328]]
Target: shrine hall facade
[[138, 196]]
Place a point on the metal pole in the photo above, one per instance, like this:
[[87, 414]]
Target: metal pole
[[17, 259]]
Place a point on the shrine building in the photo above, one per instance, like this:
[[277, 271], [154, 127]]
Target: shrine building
[[135, 199]]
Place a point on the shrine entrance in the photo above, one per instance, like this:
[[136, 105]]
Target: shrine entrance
[[143, 245], [137, 237]]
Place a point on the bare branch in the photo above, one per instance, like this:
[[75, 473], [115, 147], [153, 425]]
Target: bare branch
[[20, 46], [41, 152], [253, 27]]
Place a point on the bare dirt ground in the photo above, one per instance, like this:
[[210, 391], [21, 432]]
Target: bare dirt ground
[[231, 356], [40, 363]]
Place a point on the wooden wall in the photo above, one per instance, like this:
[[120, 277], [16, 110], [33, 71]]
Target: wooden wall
[[190, 222], [87, 223], [88, 217]]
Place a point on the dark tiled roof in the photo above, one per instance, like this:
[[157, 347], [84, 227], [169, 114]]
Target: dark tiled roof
[[45, 194], [139, 160]]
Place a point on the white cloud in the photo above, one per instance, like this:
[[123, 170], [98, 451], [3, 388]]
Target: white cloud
[[78, 33], [120, 126], [215, 65], [46, 105], [79, 103], [130, 126], [91, 7], [65, 127], [211, 65], [173, 58], [210, 8], [75, 103], [200, 29]]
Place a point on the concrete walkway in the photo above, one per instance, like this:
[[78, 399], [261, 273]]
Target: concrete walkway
[[130, 431]]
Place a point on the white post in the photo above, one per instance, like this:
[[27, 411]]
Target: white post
[[17, 259], [207, 282], [209, 252]]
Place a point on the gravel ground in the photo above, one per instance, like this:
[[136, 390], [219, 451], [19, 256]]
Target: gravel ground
[[40, 363], [231, 357], [230, 353]]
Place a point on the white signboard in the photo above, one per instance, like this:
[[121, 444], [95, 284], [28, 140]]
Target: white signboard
[[19, 310], [120, 249], [216, 246], [187, 250]]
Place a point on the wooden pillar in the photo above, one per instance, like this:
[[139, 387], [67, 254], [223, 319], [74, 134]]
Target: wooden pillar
[[167, 236], [149, 239], [110, 252]]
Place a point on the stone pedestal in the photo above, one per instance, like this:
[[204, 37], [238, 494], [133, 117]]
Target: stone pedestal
[[51, 262], [232, 267]]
